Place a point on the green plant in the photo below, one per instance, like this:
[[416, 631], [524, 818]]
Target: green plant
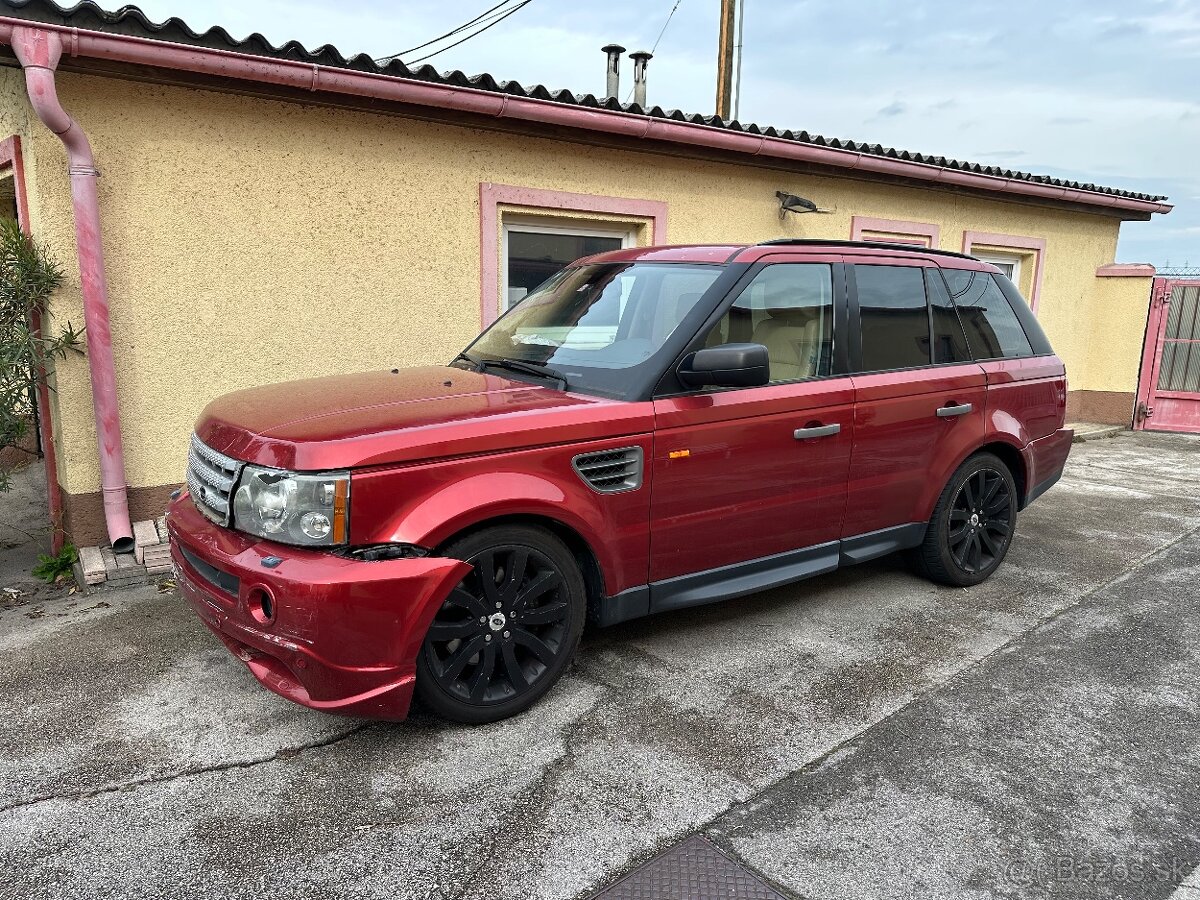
[[53, 569], [28, 278]]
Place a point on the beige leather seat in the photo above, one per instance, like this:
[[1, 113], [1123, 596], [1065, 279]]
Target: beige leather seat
[[792, 339]]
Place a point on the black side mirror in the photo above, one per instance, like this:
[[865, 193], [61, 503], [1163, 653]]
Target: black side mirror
[[729, 365]]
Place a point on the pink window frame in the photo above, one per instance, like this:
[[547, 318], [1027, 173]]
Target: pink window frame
[[927, 231], [536, 201], [972, 239]]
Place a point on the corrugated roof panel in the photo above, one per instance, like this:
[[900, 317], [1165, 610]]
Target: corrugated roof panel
[[130, 20]]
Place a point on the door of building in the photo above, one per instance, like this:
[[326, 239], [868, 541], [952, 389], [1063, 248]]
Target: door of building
[[1169, 388]]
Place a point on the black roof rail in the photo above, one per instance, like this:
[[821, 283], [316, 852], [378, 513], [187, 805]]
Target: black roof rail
[[873, 245]]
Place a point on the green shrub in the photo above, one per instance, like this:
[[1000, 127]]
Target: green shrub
[[28, 278]]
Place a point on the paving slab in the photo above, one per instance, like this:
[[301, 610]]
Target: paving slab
[[1064, 765]]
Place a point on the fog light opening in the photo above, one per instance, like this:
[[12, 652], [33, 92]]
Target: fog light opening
[[261, 605]]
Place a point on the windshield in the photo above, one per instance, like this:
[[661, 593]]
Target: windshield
[[598, 327]]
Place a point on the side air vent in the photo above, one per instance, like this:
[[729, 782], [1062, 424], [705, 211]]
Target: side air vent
[[611, 471]]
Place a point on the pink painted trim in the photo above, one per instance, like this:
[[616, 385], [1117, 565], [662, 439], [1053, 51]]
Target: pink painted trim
[[1126, 270], [306, 76], [926, 230], [1014, 242], [1156, 322], [535, 200]]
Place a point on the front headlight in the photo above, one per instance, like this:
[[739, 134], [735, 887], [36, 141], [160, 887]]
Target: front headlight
[[308, 510]]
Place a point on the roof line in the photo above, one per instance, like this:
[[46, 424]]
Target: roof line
[[628, 122]]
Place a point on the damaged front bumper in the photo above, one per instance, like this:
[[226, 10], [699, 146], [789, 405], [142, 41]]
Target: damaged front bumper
[[333, 634]]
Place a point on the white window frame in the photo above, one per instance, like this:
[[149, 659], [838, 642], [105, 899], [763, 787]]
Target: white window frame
[[628, 238], [1003, 259]]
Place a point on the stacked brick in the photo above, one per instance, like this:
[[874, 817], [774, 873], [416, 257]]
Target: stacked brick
[[151, 556]]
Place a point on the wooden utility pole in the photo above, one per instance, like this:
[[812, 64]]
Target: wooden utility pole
[[725, 59]]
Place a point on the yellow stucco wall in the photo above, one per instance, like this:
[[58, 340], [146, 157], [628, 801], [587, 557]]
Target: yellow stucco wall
[[1115, 336], [252, 241]]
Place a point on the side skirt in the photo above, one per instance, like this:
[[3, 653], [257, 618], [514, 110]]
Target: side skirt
[[752, 576]]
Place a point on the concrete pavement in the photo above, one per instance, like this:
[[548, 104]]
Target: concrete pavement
[[862, 734]]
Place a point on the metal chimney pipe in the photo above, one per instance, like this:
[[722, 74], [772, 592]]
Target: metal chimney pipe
[[640, 58], [613, 86]]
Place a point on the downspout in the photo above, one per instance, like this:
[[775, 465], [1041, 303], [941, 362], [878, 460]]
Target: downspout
[[39, 52]]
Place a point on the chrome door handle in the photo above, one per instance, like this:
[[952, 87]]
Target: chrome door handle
[[947, 412], [803, 434]]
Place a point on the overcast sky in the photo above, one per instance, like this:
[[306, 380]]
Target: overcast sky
[[1092, 90]]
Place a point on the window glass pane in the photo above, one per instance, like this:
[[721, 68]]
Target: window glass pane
[[993, 329], [949, 342], [895, 321], [788, 308], [534, 256]]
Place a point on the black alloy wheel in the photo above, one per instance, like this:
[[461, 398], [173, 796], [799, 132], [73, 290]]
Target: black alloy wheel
[[505, 634], [972, 526], [980, 525]]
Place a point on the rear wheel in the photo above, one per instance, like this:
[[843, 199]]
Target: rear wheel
[[508, 630], [972, 525]]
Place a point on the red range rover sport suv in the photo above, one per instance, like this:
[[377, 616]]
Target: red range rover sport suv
[[650, 429]]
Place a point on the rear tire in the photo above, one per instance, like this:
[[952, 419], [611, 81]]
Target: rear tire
[[508, 631], [972, 525]]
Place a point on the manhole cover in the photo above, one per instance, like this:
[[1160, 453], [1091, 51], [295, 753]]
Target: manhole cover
[[694, 869]]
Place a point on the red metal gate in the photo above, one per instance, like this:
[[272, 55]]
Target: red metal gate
[[1169, 388]]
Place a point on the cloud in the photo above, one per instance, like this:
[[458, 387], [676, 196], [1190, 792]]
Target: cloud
[[894, 108]]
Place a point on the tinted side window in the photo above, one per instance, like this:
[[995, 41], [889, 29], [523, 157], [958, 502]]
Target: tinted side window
[[993, 329], [893, 317], [949, 342], [788, 308]]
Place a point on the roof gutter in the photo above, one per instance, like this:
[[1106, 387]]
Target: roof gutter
[[308, 76], [39, 50]]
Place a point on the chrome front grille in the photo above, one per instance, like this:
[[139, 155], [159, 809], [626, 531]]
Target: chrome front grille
[[211, 477], [610, 471]]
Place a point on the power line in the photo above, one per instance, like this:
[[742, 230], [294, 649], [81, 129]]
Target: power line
[[495, 21], [665, 24], [661, 32], [465, 25]]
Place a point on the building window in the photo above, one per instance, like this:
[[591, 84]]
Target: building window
[[533, 252], [1020, 257], [528, 234], [1009, 265], [894, 231]]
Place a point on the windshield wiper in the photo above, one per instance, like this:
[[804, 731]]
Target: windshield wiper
[[529, 368], [473, 360]]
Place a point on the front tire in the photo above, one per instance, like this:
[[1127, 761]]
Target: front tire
[[509, 629], [972, 525]]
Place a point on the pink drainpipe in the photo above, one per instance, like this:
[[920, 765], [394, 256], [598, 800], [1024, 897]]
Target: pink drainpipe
[[39, 51]]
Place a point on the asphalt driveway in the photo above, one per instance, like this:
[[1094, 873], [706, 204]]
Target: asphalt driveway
[[862, 734]]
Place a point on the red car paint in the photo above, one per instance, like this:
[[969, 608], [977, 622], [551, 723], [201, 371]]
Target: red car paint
[[436, 451]]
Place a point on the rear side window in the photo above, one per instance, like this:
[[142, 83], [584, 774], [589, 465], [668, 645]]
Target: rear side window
[[949, 342], [992, 327], [893, 316]]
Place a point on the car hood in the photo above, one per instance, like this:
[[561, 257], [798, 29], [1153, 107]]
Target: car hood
[[405, 415]]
